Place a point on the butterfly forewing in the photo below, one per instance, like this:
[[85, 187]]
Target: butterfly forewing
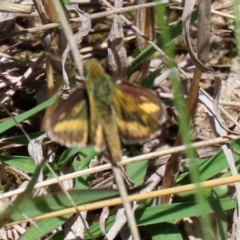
[[69, 122], [135, 123], [145, 99]]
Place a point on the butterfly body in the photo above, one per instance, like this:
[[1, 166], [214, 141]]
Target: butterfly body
[[105, 113]]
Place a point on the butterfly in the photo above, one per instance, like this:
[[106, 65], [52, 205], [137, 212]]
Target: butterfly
[[104, 112]]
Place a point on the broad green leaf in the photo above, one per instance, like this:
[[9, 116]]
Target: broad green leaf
[[33, 207], [43, 227], [149, 80], [165, 231], [168, 213], [23, 139], [23, 163], [212, 166], [137, 171]]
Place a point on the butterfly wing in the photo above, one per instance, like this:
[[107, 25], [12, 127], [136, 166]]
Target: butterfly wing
[[145, 99], [138, 113], [69, 122]]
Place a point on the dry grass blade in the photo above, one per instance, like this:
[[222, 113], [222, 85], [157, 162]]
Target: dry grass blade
[[7, 6], [117, 56], [145, 23], [83, 30], [204, 19]]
